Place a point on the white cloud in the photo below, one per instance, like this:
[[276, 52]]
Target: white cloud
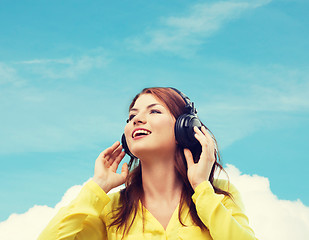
[[31, 223], [8, 75], [67, 68], [46, 61], [180, 34], [270, 217]]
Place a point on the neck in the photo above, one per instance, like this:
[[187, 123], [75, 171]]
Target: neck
[[159, 180]]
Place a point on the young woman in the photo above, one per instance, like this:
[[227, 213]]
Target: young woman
[[170, 189]]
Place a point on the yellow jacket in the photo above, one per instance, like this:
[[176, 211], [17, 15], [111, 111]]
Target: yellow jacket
[[88, 215]]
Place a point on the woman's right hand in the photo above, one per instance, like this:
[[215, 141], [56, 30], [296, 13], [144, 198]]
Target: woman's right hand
[[106, 166]]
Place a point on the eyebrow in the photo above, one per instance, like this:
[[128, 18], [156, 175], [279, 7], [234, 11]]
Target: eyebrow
[[149, 106]]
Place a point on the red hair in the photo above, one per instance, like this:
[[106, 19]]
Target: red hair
[[133, 193]]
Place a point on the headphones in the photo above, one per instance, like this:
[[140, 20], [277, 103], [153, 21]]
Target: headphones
[[184, 133]]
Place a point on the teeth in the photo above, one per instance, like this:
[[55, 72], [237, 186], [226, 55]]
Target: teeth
[[140, 132]]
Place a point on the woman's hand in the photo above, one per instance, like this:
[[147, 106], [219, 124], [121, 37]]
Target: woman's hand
[[106, 166], [200, 171]]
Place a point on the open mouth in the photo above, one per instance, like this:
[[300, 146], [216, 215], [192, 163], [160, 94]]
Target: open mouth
[[140, 132]]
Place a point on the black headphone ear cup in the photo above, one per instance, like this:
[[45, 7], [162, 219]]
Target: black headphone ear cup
[[180, 133], [125, 146], [184, 132]]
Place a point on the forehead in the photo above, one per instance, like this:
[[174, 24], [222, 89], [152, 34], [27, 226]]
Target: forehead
[[145, 100]]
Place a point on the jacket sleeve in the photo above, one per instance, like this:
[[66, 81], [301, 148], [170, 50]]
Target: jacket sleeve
[[223, 216], [81, 218]]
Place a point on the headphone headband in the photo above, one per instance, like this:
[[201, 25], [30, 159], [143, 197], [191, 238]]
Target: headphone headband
[[189, 105]]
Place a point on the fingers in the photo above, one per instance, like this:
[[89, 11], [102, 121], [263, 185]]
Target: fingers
[[189, 157], [109, 154], [108, 151], [115, 162], [105, 172], [110, 159], [124, 170], [203, 137]]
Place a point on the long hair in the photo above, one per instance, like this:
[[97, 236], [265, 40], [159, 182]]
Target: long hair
[[133, 193]]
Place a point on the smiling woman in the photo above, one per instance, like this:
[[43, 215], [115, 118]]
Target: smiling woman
[[170, 189], [150, 128]]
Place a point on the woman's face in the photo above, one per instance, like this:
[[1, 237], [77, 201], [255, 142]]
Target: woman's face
[[150, 129]]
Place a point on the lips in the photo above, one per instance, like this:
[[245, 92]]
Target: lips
[[140, 132]]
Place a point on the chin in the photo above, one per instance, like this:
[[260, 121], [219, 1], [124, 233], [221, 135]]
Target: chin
[[147, 152], [143, 152]]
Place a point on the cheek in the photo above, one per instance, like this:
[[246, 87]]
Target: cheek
[[168, 129], [127, 131]]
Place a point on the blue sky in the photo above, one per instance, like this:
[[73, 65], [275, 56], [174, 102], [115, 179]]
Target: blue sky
[[69, 69]]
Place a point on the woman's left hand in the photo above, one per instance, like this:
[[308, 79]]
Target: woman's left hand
[[200, 171]]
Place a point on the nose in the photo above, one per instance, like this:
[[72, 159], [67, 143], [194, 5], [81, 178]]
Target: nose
[[139, 119]]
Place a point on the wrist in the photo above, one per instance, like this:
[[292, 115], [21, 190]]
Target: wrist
[[195, 184], [103, 184]]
